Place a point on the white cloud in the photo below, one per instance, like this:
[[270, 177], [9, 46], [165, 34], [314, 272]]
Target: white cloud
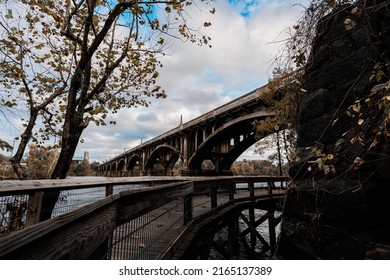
[[198, 79]]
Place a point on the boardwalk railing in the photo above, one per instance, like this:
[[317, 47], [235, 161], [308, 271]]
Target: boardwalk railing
[[122, 224]]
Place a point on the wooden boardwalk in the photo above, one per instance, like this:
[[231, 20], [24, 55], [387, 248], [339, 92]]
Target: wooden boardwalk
[[145, 238], [134, 224]]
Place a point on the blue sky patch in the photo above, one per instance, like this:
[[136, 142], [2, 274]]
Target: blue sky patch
[[245, 7]]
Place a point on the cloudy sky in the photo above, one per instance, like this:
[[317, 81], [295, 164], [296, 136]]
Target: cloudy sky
[[198, 79]]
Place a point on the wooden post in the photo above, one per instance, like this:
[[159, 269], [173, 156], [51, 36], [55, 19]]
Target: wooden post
[[272, 233], [187, 209], [271, 185], [232, 235], [213, 197], [34, 208], [252, 220], [251, 187], [100, 252], [109, 190]]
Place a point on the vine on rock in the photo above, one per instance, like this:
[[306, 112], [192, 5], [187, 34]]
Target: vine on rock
[[363, 112]]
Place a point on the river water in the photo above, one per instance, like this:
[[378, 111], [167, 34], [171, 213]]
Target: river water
[[70, 200], [242, 251]]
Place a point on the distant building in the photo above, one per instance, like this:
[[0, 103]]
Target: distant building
[[86, 155], [79, 159]]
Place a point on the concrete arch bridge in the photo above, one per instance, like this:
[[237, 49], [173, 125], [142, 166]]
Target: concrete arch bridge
[[207, 145]]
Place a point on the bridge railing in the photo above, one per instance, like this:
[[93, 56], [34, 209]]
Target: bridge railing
[[129, 224], [21, 201]]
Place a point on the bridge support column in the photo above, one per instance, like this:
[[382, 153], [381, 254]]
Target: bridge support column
[[185, 156], [185, 152], [142, 171]]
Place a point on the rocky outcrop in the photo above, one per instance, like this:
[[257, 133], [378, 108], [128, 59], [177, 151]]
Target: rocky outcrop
[[338, 74], [339, 206], [334, 219]]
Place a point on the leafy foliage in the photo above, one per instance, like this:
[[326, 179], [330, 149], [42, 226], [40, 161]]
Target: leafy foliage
[[268, 147], [41, 161], [255, 167], [370, 127], [75, 62], [83, 168], [283, 98]]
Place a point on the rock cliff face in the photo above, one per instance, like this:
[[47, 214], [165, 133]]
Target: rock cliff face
[[346, 214]]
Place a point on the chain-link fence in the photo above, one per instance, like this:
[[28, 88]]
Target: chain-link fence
[[13, 212], [14, 209]]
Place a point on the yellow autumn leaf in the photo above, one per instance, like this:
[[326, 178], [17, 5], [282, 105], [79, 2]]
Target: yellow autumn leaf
[[356, 108], [355, 10], [349, 24]]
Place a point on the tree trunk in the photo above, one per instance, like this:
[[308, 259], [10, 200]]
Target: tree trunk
[[25, 138], [64, 161], [70, 138]]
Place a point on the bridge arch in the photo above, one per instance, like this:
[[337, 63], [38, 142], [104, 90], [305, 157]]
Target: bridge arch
[[113, 169], [165, 156], [106, 169], [133, 167], [121, 168], [227, 143]]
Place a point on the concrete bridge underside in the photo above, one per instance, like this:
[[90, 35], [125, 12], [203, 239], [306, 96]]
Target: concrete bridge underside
[[207, 145]]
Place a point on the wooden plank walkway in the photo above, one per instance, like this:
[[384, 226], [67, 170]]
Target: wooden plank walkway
[[145, 238], [132, 224]]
